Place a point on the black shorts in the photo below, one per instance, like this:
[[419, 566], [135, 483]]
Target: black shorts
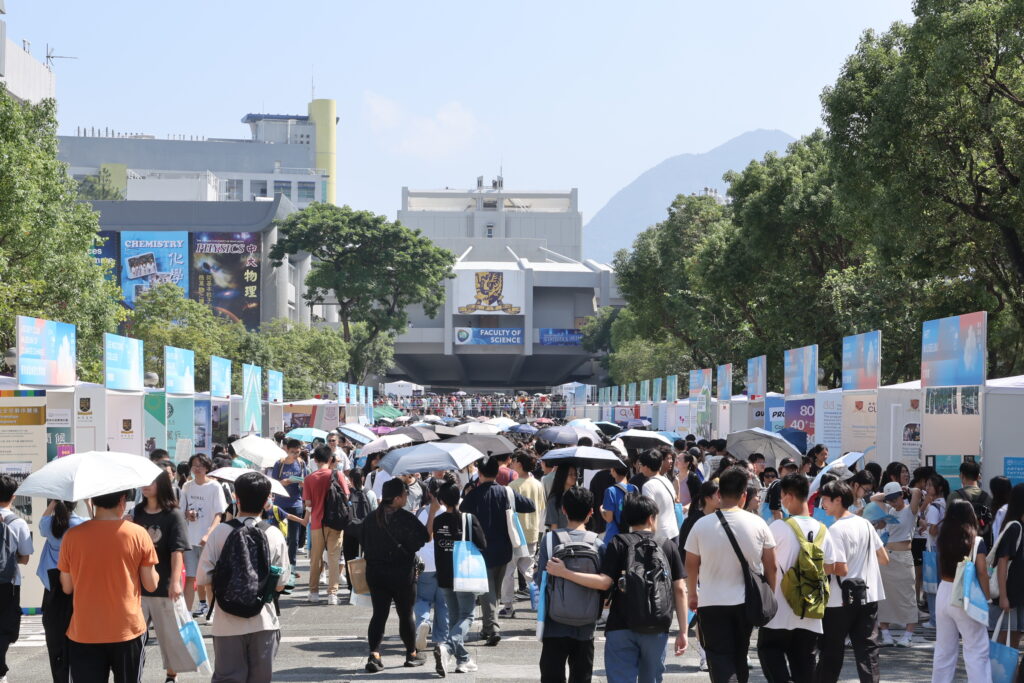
[[917, 547]]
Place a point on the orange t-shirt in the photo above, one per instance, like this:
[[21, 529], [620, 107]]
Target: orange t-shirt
[[104, 558]]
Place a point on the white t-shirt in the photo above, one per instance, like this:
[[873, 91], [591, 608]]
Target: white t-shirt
[[721, 577], [997, 522], [426, 553], [786, 551], [207, 500], [855, 543], [903, 530], [936, 511], [22, 533], [661, 491]]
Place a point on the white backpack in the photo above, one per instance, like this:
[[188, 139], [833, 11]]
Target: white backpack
[[993, 575]]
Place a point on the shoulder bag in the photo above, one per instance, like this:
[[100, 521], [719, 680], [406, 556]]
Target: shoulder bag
[[760, 596]]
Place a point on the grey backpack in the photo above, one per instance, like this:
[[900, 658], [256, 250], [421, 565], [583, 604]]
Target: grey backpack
[[570, 603], [8, 550]]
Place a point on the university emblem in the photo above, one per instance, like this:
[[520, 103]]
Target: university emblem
[[915, 404], [85, 406], [126, 426], [489, 292], [859, 405]]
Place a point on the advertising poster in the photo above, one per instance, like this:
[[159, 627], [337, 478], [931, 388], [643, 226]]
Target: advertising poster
[[493, 336], [672, 388], [615, 394], [656, 390], [490, 292], [645, 390], [757, 377], [756, 415], [342, 392], [623, 414], [774, 413], [220, 377], [954, 350], [106, 251], [180, 424], [555, 337], [22, 425], [59, 410], [631, 397], [122, 362], [152, 258], [46, 352], [124, 423], [948, 467], [219, 421], [725, 382], [154, 419], [801, 371], [179, 370], [201, 427], [860, 420], [90, 400], [951, 424], [828, 422], [862, 361], [226, 274], [800, 415], [700, 403], [724, 419], [252, 390], [275, 386]]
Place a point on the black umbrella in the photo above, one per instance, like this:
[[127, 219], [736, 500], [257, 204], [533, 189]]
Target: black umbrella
[[417, 434], [494, 444], [563, 436], [444, 432], [586, 457]]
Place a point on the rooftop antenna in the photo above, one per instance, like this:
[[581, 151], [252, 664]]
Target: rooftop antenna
[[50, 56]]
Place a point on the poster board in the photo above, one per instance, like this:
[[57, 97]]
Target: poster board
[[828, 420], [860, 420], [154, 421], [90, 427], [1003, 430], [59, 422], [124, 422], [898, 431]]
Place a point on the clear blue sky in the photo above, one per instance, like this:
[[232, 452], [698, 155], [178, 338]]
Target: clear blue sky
[[585, 94]]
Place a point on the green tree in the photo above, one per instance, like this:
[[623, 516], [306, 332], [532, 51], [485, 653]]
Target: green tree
[[311, 359], [99, 186], [374, 268], [45, 237]]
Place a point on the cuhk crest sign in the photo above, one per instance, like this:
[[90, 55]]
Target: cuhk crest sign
[[491, 292]]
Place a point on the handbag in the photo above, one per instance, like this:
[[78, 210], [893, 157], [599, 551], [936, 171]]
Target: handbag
[[192, 638], [357, 575], [992, 561], [1004, 658], [930, 571], [515, 529], [967, 592], [759, 595], [469, 570], [680, 515]]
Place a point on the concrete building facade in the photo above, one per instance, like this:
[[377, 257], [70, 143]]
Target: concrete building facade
[[25, 77]]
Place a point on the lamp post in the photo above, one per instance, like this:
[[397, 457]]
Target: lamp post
[[151, 380]]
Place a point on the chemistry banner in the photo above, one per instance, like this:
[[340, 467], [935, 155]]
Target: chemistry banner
[[46, 352], [226, 274], [862, 361], [490, 292], [954, 350], [801, 371], [122, 363], [493, 336], [757, 377], [179, 370], [152, 258]]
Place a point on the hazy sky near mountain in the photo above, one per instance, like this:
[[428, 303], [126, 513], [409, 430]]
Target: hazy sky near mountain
[[580, 93]]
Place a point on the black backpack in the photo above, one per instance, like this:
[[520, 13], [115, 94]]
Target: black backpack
[[646, 586], [360, 505], [8, 550], [242, 574], [982, 510], [337, 514]]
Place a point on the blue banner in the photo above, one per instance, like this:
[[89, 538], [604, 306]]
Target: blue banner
[[725, 382], [488, 335], [671, 388], [152, 258], [801, 371], [220, 377], [645, 390], [555, 337], [862, 361], [179, 370], [275, 386], [656, 389], [954, 351], [107, 247], [252, 389], [122, 362], [342, 393], [46, 352], [757, 377]]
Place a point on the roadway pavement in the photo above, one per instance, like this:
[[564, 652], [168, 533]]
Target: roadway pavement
[[328, 643]]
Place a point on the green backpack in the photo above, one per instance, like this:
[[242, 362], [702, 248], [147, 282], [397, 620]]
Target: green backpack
[[805, 585]]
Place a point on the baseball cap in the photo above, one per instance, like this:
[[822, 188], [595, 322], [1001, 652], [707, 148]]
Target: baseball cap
[[787, 462], [893, 488]]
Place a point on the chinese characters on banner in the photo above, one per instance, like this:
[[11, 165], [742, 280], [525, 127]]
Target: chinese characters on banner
[[152, 258], [226, 274]]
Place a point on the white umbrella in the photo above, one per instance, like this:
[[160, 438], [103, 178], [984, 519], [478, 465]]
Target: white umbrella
[[432, 418], [642, 436], [232, 473], [354, 428], [769, 444], [86, 475], [501, 422], [477, 428], [384, 443], [428, 457], [620, 447], [259, 451], [842, 463]]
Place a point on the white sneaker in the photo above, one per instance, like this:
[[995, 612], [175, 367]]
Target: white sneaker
[[887, 640], [313, 599], [332, 599], [906, 641], [422, 631], [467, 667]]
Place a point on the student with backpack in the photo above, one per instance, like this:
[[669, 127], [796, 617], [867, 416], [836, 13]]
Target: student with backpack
[[362, 501], [980, 500], [291, 472], [647, 581], [572, 609], [245, 563], [325, 495], [16, 546], [786, 645], [614, 498]]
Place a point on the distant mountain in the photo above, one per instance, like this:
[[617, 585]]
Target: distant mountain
[[645, 201]]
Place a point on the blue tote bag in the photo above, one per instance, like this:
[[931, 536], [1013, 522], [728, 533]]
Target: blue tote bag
[[930, 571], [468, 567], [974, 603], [1003, 657]]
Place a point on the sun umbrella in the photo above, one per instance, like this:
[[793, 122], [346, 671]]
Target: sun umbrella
[[542, 421], [587, 457], [637, 423], [641, 438], [385, 419], [257, 450], [841, 463], [566, 436], [620, 447], [384, 443], [428, 457], [774, 448], [307, 434], [232, 473], [609, 428], [417, 434], [355, 428], [486, 443], [382, 430], [89, 474], [476, 428], [523, 429], [403, 418], [501, 422], [444, 432], [431, 418]]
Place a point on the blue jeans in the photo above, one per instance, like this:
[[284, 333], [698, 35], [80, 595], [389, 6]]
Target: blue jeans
[[429, 595], [631, 657], [460, 618], [294, 529]]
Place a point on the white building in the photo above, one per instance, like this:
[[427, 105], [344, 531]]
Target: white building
[[25, 77]]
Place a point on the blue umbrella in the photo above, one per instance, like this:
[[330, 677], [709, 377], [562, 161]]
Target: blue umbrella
[[587, 457], [795, 436], [355, 436], [523, 429], [307, 434], [638, 424], [671, 436]]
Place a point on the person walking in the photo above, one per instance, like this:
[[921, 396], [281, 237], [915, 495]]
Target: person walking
[[204, 507], [291, 472], [526, 485], [566, 476], [19, 548], [855, 589], [1008, 563], [959, 538], [391, 536], [663, 492], [362, 502], [55, 522], [429, 598], [104, 564], [721, 601], [322, 539], [614, 498], [159, 515], [900, 604]]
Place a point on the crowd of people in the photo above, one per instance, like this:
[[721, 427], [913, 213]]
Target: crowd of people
[[461, 404], [668, 541]]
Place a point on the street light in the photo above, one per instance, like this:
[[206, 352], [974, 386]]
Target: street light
[[151, 379]]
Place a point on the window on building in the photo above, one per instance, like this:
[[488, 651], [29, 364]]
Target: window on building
[[258, 188], [283, 187], [490, 204], [490, 229], [233, 190], [307, 191]]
